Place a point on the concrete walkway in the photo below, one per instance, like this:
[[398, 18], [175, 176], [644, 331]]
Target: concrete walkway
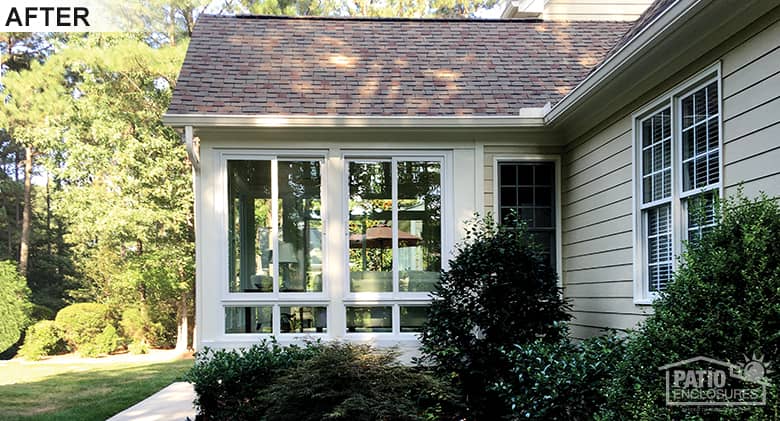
[[173, 403]]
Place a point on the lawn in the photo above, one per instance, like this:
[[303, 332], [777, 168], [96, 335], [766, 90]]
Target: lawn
[[81, 389]]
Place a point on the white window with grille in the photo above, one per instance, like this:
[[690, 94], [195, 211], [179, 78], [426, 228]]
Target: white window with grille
[[678, 172]]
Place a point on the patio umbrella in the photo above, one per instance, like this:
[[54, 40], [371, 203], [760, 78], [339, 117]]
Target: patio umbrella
[[381, 237]]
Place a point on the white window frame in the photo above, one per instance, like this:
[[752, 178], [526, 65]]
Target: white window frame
[[677, 200], [274, 299], [395, 299], [556, 160]]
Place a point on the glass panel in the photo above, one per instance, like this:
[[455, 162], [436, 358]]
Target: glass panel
[[701, 214], [700, 138], [370, 227], [303, 319], [249, 231], [508, 175], [659, 247], [656, 156], [369, 319], [419, 225], [509, 196], [536, 198], [413, 318], [300, 227], [249, 319]]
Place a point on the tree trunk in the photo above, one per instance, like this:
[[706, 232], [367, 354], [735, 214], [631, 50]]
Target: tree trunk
[[24, 244], [182, 331]]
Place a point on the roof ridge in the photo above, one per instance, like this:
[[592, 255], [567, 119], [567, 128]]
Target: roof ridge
[[402, 19]]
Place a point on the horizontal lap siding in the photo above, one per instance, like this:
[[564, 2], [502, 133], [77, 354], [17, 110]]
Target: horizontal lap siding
[[597, 231], [751, 114]]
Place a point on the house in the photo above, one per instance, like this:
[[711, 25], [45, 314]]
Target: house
[[336, 159]]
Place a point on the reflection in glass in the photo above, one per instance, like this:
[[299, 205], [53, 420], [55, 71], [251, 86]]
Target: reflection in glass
[[369, 319], [248, 319], [370, 231], [413, 318], [300, 227], [419, 225], [249, 213], [303, 319]]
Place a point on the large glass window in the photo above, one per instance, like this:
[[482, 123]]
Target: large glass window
[[527, 189], [679, 162], [275, 205], [394, 225]]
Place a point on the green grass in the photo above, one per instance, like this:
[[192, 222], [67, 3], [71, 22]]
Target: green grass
[[80, 390]]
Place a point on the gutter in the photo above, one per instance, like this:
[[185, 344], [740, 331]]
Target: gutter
[[532, 117], [192, 148]]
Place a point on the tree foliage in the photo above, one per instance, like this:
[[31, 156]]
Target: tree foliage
[[14, 305], [498, 292], [724, 303]]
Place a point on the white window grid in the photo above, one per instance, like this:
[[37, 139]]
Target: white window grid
[[679, 200]]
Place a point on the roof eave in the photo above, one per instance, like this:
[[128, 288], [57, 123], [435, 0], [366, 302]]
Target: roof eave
[[649, 36], [533, 118]]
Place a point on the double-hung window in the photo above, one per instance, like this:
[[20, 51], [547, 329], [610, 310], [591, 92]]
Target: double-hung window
[[678, 179]]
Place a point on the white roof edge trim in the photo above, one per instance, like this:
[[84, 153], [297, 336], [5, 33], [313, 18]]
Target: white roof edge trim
[[604, 70], [530, 118]]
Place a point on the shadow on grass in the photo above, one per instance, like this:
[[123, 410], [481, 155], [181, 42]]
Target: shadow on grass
[[93, 394]]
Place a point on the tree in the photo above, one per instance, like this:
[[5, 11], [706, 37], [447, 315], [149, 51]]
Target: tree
[[14, 305], [34, 104], [127, 191]]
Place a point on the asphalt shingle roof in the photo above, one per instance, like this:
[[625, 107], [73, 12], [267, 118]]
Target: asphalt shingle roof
[[384, 67]]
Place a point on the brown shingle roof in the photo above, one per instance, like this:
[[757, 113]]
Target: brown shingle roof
[[384, 67]]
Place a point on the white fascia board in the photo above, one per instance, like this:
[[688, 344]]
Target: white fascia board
[[645, 39], [530, 118]]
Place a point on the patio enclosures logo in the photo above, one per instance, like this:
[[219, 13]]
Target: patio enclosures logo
[[69, 16], [707, 382]]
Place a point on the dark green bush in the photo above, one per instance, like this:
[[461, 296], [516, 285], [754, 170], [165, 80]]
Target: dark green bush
[[314, 382], [230, 384], [81, 323], [356, 382], [14, 305], [499, 291], [41, 339], [724, 303], [139, 328], [562, 380]]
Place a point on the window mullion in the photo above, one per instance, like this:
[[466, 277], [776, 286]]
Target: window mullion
[[394, 200], [676, 130], [275, 221]]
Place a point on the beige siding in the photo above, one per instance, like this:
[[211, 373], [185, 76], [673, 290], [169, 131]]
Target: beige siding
[[594, 9], [597, 188], [597, 234], [751, 114]]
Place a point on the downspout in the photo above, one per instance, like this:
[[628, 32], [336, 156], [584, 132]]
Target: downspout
[[193, 153], [192, 149]]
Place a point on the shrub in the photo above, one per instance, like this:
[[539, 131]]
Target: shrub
[[230, 384], [561, 380], [499, 291], [138, 348], [356, 382], [14, 305], [724, 303], [42, 338], [104, 343], [82, 323], [138, 326]]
